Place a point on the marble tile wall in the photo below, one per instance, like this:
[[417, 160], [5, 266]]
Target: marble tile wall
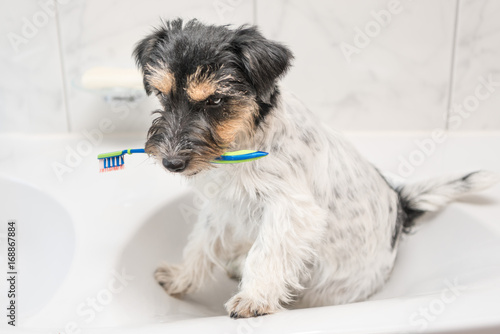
[[476, 104], [362, 65], [103, 33], [31, 86]]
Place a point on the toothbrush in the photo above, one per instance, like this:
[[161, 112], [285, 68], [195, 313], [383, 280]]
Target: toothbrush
[[115, 160]]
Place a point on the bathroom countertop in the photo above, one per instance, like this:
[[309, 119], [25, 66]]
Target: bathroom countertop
[[119, 226]]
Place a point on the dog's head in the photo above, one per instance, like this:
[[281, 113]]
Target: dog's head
[[214, 84]]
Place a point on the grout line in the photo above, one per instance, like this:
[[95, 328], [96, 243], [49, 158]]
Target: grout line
[[63, 73], [451, 85], [254, 16]]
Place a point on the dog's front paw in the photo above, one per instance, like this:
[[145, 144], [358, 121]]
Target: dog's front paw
[[244, 306], [173, 280]]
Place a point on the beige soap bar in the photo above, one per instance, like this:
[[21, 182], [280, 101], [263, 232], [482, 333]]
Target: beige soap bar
[[112, 77]]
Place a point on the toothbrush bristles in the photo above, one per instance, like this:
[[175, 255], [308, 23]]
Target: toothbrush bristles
[[111, 164]]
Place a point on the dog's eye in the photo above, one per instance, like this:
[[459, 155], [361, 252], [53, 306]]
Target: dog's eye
[[160, 95], [213, 101]]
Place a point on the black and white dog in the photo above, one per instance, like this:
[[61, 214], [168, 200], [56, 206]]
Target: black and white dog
[[313, 223]]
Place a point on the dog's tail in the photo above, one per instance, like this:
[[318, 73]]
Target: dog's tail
[[431, 195]]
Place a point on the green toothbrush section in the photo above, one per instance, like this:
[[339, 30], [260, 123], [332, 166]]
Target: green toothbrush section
[[241, 152], [109, 155], [234, 161], [118, 153]]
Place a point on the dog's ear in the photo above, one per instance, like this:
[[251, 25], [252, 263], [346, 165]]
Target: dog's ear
[[145, 53], [263, 61]]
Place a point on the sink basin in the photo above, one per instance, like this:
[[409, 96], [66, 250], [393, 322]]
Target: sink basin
[[162, 238], [443, 271], [45, 242], [87, 264]]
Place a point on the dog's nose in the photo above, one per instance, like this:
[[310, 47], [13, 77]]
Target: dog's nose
[[175, 165]]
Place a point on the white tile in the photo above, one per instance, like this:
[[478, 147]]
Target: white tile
[[400, 81], [103, 33], [477, 55], [31, 90]]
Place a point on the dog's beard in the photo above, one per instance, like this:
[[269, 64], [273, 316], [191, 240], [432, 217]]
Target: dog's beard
[[201, 138], [195, 140]]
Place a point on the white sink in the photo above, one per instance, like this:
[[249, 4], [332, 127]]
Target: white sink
[[102, 244], [45, 243]]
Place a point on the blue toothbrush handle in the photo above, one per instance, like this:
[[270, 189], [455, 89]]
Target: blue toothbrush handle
[[246, 156]]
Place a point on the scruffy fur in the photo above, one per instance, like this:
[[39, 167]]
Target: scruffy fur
[[313, 223]]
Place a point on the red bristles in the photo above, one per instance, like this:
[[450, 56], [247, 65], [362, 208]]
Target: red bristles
[[111, 168]]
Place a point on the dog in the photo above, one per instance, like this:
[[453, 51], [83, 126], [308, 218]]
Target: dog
[[313, 223]]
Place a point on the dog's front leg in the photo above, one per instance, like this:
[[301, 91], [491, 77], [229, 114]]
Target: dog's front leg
[[200, 254], [277, 262]]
